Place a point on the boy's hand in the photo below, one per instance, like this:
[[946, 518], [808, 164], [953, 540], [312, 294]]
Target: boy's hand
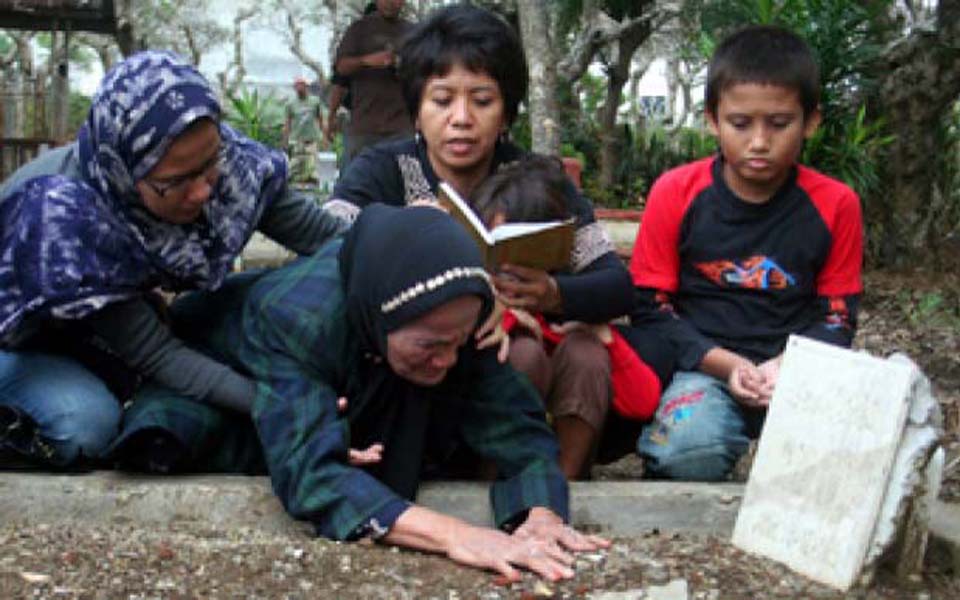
[[771, 371], [748, 385], [530, 289]]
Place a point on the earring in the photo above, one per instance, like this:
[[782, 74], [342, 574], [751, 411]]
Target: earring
[[504, 136], [417, 137]]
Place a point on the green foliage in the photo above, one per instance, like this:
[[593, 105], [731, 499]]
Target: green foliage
[[593, 91], [5, 43], [78, 110], [520, 132], [644, 158], [258, 117], [569, 11], [950, 168], [936, 307], [850, 150], [80, 56]]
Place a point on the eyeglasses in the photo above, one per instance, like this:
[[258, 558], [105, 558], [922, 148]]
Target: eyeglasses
[[209, 171]]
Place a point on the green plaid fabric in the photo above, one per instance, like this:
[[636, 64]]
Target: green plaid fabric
[[292, 336]]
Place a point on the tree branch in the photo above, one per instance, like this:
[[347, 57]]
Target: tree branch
[[295, 44], [600, 30]]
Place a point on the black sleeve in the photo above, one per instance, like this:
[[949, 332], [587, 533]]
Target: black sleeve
[[296, 221], [598, 293], [653, 313], [373, 176], [134, 332], [836, 321], [602, 290]]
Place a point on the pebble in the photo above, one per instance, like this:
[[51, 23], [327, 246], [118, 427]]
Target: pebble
[[633, 594], [542, 590], [65, 591], [32, 577], [675, 590], [594, 558]]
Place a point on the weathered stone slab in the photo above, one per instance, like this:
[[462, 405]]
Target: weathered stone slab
[[230, 502], [824, 460]]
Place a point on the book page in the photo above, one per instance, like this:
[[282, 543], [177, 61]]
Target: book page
[[511, 230], [461, 211]]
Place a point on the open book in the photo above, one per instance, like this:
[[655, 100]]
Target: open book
[[545, 245]]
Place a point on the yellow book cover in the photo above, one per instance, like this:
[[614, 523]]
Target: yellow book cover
[[545, 245]]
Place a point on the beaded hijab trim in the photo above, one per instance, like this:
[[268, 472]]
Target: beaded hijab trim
[[423, 287]]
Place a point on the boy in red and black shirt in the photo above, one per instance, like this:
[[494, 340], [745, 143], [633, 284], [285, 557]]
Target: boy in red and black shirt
[[738, 251]]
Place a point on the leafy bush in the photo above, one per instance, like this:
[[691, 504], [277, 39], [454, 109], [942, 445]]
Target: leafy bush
[[79, 108], [644, 158], [258, 117], [850, 151]]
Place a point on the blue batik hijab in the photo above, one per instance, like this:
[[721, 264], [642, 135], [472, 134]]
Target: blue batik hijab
[[70, 246]]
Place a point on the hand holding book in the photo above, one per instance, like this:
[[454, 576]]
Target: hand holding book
[[545, 246], [529, 289]]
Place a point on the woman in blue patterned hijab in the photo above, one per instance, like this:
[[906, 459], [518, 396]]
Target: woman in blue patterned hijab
[[93, 240], [155, 192]]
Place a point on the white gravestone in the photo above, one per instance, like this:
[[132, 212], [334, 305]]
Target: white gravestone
[[815, 500]]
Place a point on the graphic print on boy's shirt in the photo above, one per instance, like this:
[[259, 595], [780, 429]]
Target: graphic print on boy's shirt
[[758, 272]]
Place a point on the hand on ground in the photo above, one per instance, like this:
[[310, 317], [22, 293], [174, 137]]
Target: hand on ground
[[546, 526], [491, 549]]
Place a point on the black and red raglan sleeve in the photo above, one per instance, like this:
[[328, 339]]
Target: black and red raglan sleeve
[[839, 283], [655, 263]]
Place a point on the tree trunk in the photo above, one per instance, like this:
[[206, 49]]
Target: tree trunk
[[125, 33], [296, 48], [60, 84], [921, 80], [544, 112], [232, 76], [618, 71]]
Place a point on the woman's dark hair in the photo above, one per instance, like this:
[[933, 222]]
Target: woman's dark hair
[[766, 55], [473, 37], [532, 189]]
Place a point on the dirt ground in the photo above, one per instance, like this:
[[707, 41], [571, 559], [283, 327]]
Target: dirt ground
[[920, 316], [126, 562]]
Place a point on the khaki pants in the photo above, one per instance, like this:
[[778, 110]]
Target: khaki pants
[[573, 381]]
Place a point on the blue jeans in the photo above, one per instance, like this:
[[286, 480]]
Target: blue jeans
[[70, 413], [699, 431]]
